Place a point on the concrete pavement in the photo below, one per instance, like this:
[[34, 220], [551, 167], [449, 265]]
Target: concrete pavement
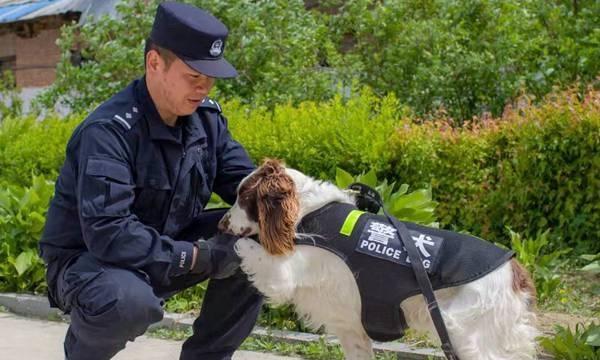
[[36, 306], [24, 339]]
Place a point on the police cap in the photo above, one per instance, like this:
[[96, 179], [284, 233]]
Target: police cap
[[195, 36]]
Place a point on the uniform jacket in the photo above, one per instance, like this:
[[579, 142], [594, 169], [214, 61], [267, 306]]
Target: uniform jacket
[[130, 184], [370, 246]]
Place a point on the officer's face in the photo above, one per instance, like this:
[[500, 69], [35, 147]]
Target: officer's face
[[181, 89]]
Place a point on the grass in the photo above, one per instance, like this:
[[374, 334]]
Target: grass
[[320, 350], [55, 316], [576, 299], [170, 334], [578, 295]]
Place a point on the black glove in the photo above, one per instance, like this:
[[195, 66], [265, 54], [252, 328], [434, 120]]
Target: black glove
[[216, 257], [367, 198]]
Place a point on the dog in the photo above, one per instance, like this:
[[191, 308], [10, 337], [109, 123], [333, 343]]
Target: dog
[[489, 318]]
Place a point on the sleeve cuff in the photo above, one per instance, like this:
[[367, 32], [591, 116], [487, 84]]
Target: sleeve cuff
[[183, 252]]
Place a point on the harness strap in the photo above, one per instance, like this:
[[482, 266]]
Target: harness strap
[[426, 288], [418, 268]]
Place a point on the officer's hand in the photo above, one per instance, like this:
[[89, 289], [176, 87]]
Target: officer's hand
[[216, 257]]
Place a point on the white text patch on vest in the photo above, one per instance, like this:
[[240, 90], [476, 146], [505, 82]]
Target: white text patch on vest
[[381, 241]]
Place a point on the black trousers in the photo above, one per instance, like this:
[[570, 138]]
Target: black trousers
[[110, 306]]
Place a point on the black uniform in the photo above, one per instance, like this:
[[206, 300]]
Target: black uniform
[[129, 203]]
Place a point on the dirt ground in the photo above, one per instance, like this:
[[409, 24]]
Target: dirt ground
[[547, 321]]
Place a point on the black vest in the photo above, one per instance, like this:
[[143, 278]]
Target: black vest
[[371, 248]]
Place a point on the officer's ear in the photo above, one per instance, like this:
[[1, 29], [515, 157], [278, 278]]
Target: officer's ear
[[153, 60], [160, 58], [278, 209]]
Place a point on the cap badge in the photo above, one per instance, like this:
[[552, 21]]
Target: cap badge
[[216, 48]]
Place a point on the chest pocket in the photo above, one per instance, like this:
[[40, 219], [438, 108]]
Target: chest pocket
[[152, 195]]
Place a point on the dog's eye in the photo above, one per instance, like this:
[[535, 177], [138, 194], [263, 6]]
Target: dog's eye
[[249, 199], [245, 199]]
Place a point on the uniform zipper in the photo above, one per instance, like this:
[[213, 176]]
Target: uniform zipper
[[175, 184]]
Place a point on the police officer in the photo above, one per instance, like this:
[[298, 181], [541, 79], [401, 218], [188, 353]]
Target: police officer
[[127, 226]]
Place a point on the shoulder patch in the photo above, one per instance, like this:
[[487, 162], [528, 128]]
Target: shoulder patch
[[209, 103], [126, 118]]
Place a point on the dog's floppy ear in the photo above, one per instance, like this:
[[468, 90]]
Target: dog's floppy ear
[[278, 206]]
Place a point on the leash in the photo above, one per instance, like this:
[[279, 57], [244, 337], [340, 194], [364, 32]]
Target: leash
[[369, 199]]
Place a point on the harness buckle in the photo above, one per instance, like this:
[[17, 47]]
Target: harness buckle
[[367, 198]]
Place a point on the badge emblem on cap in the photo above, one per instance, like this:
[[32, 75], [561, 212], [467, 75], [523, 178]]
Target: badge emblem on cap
[[216, 48]]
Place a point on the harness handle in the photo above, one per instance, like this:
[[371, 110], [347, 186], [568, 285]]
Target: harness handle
[[369, 196]]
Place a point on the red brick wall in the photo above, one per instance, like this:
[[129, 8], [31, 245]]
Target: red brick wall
[[37, 58], [7, 45]]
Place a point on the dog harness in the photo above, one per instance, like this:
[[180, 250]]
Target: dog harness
[[372, 249]]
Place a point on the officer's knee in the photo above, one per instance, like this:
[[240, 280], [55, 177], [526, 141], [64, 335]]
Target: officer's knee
[[123, 309]]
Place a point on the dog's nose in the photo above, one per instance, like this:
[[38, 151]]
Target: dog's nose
[[224, 224]]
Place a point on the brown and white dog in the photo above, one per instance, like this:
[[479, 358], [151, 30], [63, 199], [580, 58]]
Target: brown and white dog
[[487, 319]]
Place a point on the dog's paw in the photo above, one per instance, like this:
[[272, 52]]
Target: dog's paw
[[245, 247], [251, 254]]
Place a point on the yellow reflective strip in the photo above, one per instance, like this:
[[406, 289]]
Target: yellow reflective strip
[[350, 222]]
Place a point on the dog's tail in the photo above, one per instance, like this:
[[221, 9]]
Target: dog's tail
[[522, 282]]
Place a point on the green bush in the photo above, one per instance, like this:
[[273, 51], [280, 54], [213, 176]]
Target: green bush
[[452, 160], [532, 170], [22, 218], [318, 137], [540, 262], [11, 104], [470, 57], [109, 59], [282, 51], [581, 344], [467, 57], [31, 147], [277, 47], [546, 172]]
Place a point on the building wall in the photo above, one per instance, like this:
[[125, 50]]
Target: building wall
[[36, 59], [7, 45]]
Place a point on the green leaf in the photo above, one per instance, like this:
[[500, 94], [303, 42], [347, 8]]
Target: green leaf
[[24, 261], [593, 338], [590, 257], [215, 202], [37, 222], [593, 267], [343, 179], [5, 199], [415, 199], [370, 178], [403, 189]]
